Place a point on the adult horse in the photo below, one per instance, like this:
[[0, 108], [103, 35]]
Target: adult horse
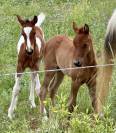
[[108, 56]]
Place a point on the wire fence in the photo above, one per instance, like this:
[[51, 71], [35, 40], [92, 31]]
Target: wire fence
[[60, 69]]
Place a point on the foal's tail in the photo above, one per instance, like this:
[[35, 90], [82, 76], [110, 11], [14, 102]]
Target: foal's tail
[[108, 55]]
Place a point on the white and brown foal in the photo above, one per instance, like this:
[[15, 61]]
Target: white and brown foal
[[30, 51]]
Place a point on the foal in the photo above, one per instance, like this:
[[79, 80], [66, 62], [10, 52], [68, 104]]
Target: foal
[[30, 50], [60, 53]]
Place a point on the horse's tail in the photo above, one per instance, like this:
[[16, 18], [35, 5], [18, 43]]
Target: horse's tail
[[108, 55]]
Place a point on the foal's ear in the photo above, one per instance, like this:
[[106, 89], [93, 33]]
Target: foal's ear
[[75, 28], [21, 21], [34, 21], [86, 29]]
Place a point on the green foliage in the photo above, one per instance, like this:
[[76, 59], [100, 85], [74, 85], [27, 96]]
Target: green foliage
[[59, 17]]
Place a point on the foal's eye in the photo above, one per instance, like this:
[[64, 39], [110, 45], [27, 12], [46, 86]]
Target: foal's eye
[[33, 32], [84, 45]]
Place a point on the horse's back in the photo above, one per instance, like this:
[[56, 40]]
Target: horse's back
[[58, 50], [61, 42], [58, 41]]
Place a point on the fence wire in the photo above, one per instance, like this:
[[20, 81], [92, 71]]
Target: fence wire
[[56, 70]]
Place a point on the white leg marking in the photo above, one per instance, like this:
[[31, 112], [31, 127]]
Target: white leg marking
[[45, 112], [15, 93], [38, 85], [38, 43], [31, 97], [45, 118]]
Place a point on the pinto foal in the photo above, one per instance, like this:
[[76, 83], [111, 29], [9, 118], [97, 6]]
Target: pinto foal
[[30, 50], [62, 52]]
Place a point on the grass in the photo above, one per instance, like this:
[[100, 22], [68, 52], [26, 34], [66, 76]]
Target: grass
[[59, 17]]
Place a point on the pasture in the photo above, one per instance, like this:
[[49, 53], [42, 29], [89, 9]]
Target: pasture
[[59, 17]]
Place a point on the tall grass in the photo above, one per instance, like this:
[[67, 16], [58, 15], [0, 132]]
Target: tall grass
[[59, 17]]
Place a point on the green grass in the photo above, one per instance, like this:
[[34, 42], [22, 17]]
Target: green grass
[[59, 17]]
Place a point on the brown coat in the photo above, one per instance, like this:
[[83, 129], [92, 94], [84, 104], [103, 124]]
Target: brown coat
[[62, 52]]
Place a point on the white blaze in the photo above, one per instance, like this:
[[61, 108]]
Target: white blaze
[[27, 31]]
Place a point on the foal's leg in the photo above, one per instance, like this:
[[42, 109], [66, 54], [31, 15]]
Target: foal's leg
[[35, 83], [56, 83], [93, 94], [31, 97], [15, 93], [44, 89], [36, 78], [73, 94]]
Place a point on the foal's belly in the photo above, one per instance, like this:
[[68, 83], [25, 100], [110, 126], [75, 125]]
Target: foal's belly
[[65, 65], [64, 62], [68, 68]]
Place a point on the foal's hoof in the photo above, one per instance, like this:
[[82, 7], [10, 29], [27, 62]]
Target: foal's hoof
[[10, 115], [33, 105], [44, 118], [101, 115]]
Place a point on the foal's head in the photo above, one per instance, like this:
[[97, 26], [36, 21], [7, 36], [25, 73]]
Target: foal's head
[[28, 33], [82, 43]]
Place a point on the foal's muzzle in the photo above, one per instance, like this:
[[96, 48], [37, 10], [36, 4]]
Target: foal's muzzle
[[77, 63], [29, 52]]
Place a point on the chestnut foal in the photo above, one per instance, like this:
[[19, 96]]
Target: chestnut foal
[[30, 50], [62, 52]]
